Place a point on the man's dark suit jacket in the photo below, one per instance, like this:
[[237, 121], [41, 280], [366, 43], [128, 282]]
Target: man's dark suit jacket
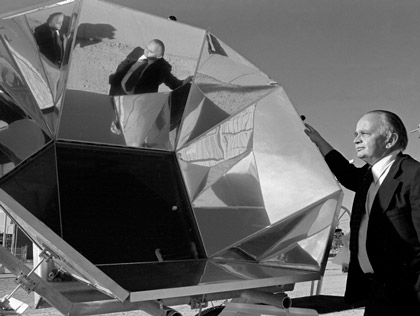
[[393, 236], [47, 44], [155, 74]]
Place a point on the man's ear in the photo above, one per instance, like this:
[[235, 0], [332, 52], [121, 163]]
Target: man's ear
[[392, 140]]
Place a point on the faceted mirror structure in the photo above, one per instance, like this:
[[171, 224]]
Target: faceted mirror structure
[[206, 177]]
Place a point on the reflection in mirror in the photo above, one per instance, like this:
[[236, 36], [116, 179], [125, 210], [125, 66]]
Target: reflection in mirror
[[232, 184], [109, 35], [223, 142], [20, 136], [50, 39], [13, 80], [143, 71], [178, 101], [299, 241], [87, 117], [227, 79], [37, 57], [200, 115], [239, 222], [144, 120], [52, 32]]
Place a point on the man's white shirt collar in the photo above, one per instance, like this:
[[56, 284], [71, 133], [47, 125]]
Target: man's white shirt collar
[[382, 165]]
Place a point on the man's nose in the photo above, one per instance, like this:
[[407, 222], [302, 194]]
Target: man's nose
[[356, 139]]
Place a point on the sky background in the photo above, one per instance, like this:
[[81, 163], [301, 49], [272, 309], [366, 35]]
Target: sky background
[[335, 59]]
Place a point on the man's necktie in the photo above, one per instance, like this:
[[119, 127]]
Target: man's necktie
[[358, 211], [135, 76]]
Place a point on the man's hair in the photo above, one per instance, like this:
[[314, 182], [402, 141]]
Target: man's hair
[[394, 124], [160, 44], [52, 16]]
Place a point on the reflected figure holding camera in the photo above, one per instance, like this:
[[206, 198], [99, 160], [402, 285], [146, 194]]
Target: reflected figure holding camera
[[143, 71], [50, 40]]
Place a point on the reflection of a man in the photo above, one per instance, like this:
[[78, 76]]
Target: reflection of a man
[[50, 40], [143, 71]]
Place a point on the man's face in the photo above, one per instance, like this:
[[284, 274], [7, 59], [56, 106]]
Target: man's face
[[153, 51], [57, 22], [370, 140]]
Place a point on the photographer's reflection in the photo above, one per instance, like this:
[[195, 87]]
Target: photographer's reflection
[[51, 41], [143, 71]]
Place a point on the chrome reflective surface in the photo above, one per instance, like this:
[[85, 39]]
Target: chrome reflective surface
[[27, 43], [20, 135], [108, 33], [211, 182], [144, 120]]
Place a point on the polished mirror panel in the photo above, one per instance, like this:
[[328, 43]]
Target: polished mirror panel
[[12, 80], [228, 79], [53, 30], [236, 223], [39, 43], [144, 120], [291, 171], [89, 117], [20, 135], [109, 34], [230, 185], [200, 115], [311, 239], [229, 139], [299, 241], [224, 152]]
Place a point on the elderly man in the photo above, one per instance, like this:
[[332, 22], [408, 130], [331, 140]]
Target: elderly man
[[143, 71], [384, 269], [50, 40]]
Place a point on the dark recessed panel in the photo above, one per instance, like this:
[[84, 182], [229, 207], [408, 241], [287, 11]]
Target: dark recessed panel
[[34, 185], [155, 276], [124, 206]]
